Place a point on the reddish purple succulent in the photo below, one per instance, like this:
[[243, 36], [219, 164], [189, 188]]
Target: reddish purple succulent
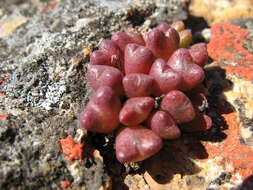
[[130, 75], [179, 106], [160, 45], [182, 62], [136, 110], [136, 143], [101, 113], [138, 85], [124, 38], [109, 54], [103, 75], [163, 27], [138, 59], [199, 54], [163, 125], [165, 78]]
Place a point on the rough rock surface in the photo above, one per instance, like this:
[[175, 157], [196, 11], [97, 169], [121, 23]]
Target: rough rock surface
[[222, 10]]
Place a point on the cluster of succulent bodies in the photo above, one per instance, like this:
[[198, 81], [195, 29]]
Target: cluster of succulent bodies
[[147, 87]]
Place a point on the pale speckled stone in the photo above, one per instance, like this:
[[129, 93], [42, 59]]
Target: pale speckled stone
[[9, 24], [222, 10], [136, 182], [242, 91], [193, 179], [81, 23]]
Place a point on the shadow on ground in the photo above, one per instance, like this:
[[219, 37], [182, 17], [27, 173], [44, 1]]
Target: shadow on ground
[[247, 184]]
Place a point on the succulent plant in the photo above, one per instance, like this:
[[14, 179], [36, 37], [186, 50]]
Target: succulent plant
[[129, 73]]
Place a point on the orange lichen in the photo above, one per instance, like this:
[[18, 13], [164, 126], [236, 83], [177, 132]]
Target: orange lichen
[[240, 156], [86, 52], [226, 47], [1, 94], [73, 150], [65, 184], [49, 7], [242, 71], [4, 116]]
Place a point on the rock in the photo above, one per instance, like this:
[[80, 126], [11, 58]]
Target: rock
[[227, 45], [220, 11], [183, 164], [9, 25], [234, 57], [136, 182]]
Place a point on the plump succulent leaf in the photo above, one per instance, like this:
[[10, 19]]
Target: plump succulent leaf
[[99, 57], [124, 38], [136, 144], [174, 36], [165, 78], [101, 75], [199, 54], [163, 27], [101, 114], [178, 25], [163, 125], [182, 62], [110, 48], [136, 110], [138, 85], [138, 59], [185, 38], [179, 106], [160, 45]]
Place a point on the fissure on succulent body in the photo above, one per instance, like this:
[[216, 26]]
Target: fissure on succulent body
[[129, 72]]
